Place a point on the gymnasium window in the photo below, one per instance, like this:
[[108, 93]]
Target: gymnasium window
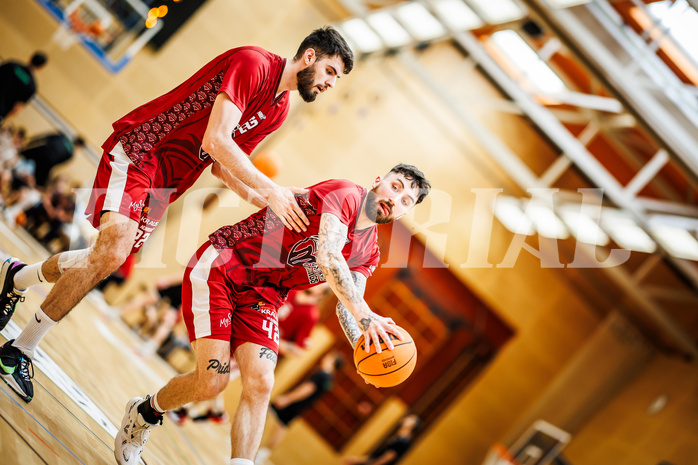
[[525, 65]]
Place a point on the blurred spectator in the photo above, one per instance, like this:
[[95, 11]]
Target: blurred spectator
[[46, 219], [293, 403], [160, 309], [18, 84], [390, 452], [12, 141], [20, 192], [48, 151]]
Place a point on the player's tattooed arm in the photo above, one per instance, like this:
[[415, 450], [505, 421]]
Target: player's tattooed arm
[[332, 237], [346, 319]]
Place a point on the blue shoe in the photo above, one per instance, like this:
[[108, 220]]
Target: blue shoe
[[14, 369]]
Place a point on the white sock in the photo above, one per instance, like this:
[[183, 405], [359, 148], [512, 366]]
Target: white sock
[[32, 334], [155, 405], [241, 462], [30, 275]]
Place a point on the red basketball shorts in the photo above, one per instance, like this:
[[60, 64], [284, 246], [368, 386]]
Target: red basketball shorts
[[215, 307], [120, 186]]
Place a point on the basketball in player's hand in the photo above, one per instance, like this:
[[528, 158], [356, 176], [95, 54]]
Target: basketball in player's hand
[[390, 367]]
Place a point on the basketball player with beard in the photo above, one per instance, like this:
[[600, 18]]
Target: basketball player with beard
[[216, 118], [237, 280]]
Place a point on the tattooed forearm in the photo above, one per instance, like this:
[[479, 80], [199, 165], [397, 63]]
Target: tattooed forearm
[[268, 354], [346, 319], [332, 237], [348, 324]]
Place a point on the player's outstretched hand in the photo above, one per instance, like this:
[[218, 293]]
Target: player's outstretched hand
[[283, 203], [377, 330]]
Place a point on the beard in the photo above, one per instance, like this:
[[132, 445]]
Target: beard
[[374, 211], [305, 83]]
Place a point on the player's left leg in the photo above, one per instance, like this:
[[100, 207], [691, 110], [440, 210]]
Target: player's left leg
[[143, 414], [257, 375], [205, 308]]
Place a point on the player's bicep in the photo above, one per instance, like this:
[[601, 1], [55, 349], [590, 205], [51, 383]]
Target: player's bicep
[[224, 117], [332, 235]]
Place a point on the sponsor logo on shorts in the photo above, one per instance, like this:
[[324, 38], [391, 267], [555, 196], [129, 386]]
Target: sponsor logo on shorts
[[226, 321], [137, 206], [147, 222], [264, 308]]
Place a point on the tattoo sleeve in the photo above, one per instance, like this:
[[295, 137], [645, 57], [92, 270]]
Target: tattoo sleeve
[[346, 319], [349, 287]]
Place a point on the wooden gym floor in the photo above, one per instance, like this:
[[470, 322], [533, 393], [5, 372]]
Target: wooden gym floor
[[85, 371]]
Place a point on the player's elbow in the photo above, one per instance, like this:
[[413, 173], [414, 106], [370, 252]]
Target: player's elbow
[[208, 143], [325, 261]]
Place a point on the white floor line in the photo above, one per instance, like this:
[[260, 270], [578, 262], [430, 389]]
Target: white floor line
[[51, 369], [12, 237]]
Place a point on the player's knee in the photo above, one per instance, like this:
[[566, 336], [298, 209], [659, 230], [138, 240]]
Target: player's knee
[[110, 259], [211, 386], [259, 385]]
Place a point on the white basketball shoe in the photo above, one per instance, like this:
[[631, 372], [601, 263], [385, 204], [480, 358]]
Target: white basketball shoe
[[133, 434]]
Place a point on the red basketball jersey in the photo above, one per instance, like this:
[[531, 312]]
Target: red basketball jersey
[[261, 253], [163, 137]]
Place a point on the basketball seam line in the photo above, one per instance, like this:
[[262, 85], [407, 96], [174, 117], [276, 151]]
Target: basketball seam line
[[391, 372], [394, 345]]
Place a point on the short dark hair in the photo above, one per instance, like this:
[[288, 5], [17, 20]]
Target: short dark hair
[[327, 41], [79, 142], [413, 174], [38, 59]]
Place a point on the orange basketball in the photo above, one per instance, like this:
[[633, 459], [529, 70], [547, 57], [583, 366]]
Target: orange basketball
[[390, 367], [268, 163]]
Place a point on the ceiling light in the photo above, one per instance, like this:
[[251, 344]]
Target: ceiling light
[[508, 212], [678, 242], [681, 21], [389, 29], [545, 221], [584, 228], [566, 3], [421, 24], [457, 15], [498, 11], [627, 234], [362, 35], [536, 71]]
